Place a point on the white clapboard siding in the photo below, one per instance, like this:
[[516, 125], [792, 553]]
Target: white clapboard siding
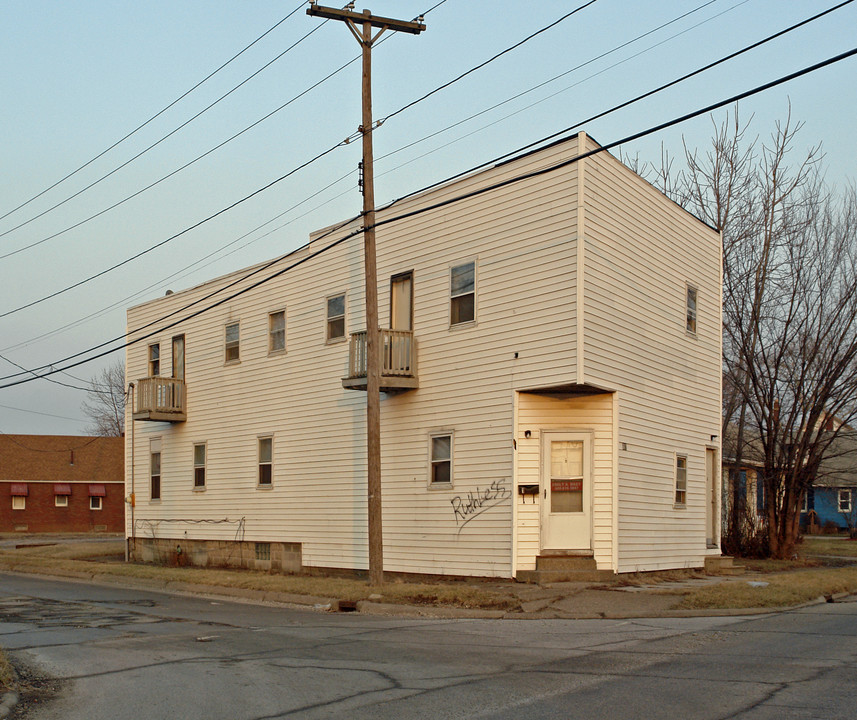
[[523, 240], [640, 252], [537, 413]]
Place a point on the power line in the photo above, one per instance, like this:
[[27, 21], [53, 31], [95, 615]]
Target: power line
[[174, 172], [509, 181], [506, 155], [144, 124]]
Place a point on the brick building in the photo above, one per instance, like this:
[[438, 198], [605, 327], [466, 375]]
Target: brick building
[[61, 483]]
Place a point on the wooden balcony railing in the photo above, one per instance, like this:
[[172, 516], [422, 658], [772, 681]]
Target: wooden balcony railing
[[398, 361], [162, 399]]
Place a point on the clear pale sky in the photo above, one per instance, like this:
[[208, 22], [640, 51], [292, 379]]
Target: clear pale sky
[[79, 76]]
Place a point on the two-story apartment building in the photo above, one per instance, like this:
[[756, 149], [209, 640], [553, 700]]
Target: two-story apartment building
[[551, 386]]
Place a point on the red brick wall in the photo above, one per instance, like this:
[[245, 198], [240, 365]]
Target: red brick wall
[[41, 514]]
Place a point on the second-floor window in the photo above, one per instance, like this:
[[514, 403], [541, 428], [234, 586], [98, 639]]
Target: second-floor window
[[691, 309], [335, 317], [154, 360], [232, 342], [462, 292], [199, 465], [277, 331]]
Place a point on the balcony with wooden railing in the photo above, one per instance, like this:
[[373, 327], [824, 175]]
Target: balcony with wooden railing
[[398, 361], [161, 399]]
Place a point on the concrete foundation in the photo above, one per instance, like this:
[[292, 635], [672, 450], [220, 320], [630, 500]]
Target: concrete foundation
[[276, 556]]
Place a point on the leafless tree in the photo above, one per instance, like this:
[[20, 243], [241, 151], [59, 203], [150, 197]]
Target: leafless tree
[[789, 305], [105, 401]]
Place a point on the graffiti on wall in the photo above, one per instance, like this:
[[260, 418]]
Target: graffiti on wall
[[467, 507]]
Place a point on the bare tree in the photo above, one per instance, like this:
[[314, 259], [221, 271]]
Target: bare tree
[[789, 306], [105, 401]]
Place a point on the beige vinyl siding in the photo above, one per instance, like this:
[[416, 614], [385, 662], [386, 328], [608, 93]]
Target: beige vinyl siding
[[538, 413], [640, 252], [523, 240]]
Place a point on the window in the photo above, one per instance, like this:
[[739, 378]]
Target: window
[[19, 502], [60, 500], [441, 459], [844, 501], [154, 360], [95, 503], [335, 317], [199, 465], [462, 291], [691, 309], [277, 331], [266, 448], [232, 341], [263, 550], [155, 471], [680, 479]]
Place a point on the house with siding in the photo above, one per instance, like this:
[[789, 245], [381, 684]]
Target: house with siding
[[551, 331], [61, 483]]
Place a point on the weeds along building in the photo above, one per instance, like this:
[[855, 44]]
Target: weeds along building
[[551, 380]]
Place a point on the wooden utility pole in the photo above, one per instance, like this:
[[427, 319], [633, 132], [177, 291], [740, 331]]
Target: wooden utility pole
[[361, 25]]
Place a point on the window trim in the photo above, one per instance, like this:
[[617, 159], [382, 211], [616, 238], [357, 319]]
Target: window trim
[[432, 484], [691, 321], [259, 463], [472, 321], [93, 503], [197, 486], [19, 500], [272, 350], [61, 501], [840, 496], [679, 483], [328, 317]]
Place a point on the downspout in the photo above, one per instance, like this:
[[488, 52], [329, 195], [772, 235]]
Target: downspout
[[132, 498]]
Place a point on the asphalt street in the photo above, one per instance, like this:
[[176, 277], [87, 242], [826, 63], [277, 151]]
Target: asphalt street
[[119, 654]]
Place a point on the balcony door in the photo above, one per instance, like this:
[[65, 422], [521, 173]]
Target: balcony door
[[402, 302], [178, 357]]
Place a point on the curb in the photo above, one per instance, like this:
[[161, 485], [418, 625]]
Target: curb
[[10, 699]]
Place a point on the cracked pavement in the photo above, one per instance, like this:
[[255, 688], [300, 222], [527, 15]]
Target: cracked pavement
[[120, 654]]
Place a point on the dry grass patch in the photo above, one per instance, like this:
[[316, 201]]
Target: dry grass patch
[[7, 675], [66, 560], [782, 590], [820, 545], [75, 551]]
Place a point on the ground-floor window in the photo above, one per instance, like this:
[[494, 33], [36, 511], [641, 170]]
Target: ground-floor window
[[845, 501]]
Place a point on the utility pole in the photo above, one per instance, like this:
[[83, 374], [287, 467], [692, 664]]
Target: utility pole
[[361, 25]]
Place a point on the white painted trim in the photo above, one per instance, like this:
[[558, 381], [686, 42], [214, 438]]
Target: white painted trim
[[579, 271], [614, 505]]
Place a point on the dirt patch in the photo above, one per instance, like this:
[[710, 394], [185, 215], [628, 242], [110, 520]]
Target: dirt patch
[[35, 689]]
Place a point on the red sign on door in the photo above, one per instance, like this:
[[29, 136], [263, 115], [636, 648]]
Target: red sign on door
[[566, 486]]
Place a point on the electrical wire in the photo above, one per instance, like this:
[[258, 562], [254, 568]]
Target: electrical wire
[[11, 439], [504, 183], [565, 130], [144, 124]]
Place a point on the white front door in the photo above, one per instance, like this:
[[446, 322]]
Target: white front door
[[566, 479]]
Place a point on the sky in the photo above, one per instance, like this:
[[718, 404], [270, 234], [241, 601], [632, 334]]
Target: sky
[[86, 183]]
